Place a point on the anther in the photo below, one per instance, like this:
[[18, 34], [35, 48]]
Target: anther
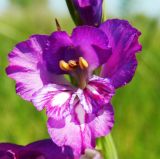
[[72, 63], [64, 65], [83, 63]]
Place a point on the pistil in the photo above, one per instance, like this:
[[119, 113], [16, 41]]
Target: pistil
[[82, 80]]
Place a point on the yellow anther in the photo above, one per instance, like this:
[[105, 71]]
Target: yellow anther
[[83, 63], [72, 63], [64, 65]]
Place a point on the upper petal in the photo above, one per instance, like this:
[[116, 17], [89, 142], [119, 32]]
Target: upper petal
[[123, 39], [59, 48], [87, 42], [27, 67], [92, 44]]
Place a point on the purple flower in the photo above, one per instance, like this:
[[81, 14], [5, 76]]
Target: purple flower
[[44, 149], [79, 112], [89, 11]]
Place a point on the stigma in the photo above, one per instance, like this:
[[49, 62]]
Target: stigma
[[73, 64]]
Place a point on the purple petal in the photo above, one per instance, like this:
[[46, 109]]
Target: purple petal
[[102, 123], [81, 129], [55, 98], [78, 137], [90, 11], [27, 68], [9, 151], [45, 149], [123, 39], [59, 48], [98, 93], [93, 45], [88, 42]]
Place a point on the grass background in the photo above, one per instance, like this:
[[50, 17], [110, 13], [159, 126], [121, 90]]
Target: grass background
[[137, 105]]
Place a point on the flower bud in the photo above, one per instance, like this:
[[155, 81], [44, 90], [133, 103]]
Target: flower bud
[[86, 12]]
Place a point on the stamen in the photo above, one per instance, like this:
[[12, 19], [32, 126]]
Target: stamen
[[83, 63], [64, 66], [72, 63]]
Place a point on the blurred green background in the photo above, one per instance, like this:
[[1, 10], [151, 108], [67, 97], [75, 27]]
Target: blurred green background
[[137, 106]]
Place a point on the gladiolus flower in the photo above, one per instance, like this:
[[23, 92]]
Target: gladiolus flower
[[80, 111]]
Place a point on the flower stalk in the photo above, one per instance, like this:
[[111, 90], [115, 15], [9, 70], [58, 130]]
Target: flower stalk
[[106, 144]]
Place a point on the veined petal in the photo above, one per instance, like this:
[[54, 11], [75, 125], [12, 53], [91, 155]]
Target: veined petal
[[92, 43], [77, 136], [55, 98], [102, 123], [80, 131], [98, 93], [123, 39], [90, 115], [27, 67]]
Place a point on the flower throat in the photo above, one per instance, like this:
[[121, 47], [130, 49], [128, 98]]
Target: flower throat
[[77, 69]]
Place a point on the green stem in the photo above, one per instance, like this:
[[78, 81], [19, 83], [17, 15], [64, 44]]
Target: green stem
[[107, 147]]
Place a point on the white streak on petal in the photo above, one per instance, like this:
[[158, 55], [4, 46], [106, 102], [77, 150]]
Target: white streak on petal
[[86, 105], [92, 89], [60, 99], [80, 113], [55, 98]]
